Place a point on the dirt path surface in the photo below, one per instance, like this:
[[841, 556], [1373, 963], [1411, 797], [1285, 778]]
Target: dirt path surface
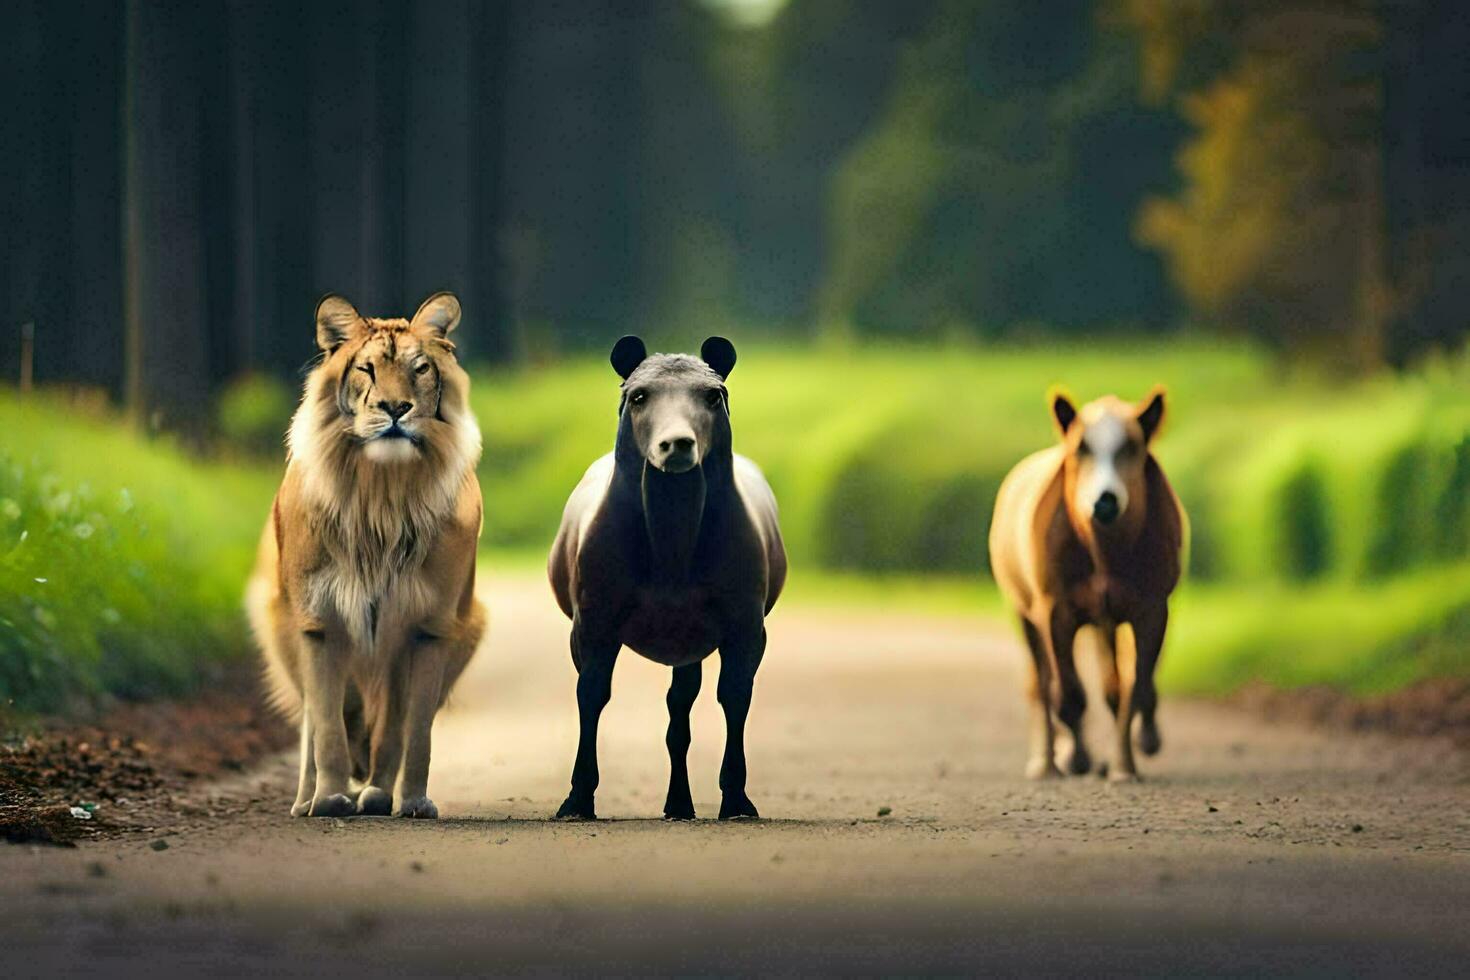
[[1250, 847]]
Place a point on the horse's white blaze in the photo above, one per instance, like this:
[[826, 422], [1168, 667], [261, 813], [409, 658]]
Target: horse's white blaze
[[1098, 473]]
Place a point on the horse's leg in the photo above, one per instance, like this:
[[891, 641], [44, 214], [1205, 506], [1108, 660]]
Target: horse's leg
[[1145, 696], [1135, 664], [1107, 672], [1039, 764], [1070, 707], [679, 805], [595, 654], [740, 657]]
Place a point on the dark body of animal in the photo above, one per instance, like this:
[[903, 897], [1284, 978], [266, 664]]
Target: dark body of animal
[[669, 546], [1088, 533]]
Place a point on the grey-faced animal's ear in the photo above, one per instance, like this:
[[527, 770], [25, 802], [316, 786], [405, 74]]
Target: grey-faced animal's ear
[[1151, 413], [1063, 412], [627, 354], [439, 314], [719, 354], [337, 321]]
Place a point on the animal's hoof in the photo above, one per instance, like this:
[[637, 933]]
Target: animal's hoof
[[576, 808], [419, 808], [301, 808], [1119, 776], [1080, 762], [738, 807], [374, 802], [678, 810], [1149, 742], [1038, 769], [336, 805]]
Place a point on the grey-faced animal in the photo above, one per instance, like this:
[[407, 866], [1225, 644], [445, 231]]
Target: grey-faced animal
[[670, 546], [1088, 533]]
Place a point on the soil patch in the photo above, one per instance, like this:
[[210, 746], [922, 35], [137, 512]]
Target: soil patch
[[119, 774], [1429, 708]]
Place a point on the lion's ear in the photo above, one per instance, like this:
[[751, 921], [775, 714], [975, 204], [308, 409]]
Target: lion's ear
[[439, 314], [337, 321]]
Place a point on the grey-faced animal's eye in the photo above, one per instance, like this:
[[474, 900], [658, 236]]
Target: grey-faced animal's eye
[[638, 398], [422, 368], [712, 398]]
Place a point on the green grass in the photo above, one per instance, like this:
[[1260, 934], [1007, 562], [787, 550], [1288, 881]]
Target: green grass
[[1361, 638], [122, 559]]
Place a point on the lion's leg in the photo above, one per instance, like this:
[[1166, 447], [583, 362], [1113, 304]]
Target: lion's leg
[[306, 783], [326, 690], [426, 674], [376, 798]]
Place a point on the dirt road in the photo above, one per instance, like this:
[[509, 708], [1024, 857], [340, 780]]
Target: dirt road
[[1248, 848]]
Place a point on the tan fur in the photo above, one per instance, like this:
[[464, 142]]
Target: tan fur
[[363, 598], [1061, 570]]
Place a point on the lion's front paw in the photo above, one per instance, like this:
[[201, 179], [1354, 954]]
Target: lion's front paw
[[336, 805], [374, 802], [419, 808]]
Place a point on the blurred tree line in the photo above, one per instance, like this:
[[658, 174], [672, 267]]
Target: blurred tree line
[[182, 180]]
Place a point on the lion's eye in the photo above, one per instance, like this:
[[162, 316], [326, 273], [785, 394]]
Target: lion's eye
[[638, 397], [422, 368], [367, 369]]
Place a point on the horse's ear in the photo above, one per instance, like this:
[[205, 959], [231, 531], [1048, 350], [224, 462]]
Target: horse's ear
[[439, 314], [627, 354], [337, 321], [1063, 412], [719, 354], [1151, 413]]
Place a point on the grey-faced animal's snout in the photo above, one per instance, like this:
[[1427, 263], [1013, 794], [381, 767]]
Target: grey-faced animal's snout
[[1106, 510], [676, 452]]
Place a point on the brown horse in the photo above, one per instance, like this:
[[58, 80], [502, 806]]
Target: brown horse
[[1089, 533]]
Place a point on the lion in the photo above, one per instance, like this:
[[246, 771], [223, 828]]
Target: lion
[[363, 596]]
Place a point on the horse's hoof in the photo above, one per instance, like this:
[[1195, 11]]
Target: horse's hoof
[[576, 809], [301, 809], [336, 805], [738, 808], [1080, 762], [419, 808], [1149, 742], [1039, 769], [374, 802]]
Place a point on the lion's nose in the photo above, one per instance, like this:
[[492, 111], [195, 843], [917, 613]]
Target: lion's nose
[[396, 410]]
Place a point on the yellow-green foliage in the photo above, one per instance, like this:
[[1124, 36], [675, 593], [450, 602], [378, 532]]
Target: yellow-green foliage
[[121, 559]]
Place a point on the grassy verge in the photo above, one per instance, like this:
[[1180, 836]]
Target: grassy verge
[[121, 559]]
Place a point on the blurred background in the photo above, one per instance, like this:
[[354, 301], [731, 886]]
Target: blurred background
[[911, 217]]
